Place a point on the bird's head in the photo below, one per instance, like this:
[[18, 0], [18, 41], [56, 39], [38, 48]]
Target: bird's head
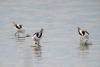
[[14, 24], [78, 28], [41, 30]]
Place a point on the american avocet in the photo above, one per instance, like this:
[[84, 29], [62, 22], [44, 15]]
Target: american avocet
[[84, 34], [20, 29], [37, 36]]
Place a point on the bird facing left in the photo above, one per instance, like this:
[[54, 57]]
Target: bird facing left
[[20, 29]]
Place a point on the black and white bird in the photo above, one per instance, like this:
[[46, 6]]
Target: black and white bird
[[37, 36], [20, 29], [84, 34]]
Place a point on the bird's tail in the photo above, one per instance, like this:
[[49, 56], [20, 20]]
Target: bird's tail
[[26, 35]]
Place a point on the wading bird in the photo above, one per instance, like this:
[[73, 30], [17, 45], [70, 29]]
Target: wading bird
[[37, 36], [84, 34], [20, 29]]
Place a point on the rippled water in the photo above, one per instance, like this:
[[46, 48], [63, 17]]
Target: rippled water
[[60, 45]]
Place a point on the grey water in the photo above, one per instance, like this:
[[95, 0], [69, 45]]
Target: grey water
[[60, 44]]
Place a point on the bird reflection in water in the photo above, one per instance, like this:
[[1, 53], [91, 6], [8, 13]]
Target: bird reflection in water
[[84, 50], [37, 52], [20, 39], [84, 45]]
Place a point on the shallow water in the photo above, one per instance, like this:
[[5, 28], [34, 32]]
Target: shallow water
[[60, 44]]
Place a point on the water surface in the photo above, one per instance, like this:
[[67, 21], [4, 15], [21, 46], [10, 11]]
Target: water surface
[[60, 45]]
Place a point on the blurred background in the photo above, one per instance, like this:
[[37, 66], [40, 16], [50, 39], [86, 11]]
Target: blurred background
[[60, 44]]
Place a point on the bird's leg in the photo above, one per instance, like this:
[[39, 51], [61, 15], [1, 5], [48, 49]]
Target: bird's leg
[[16, 33], [39, 43], [35, 42]]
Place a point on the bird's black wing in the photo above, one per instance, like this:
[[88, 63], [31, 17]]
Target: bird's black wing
[[87, 32], [40, 35]]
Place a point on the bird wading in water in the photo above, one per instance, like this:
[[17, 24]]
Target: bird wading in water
[[20, 29], [37, 36], [84, 34]]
